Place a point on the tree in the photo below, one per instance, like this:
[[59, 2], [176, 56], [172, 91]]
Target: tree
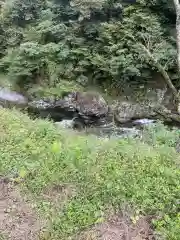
[[177, 8], [92, 41], [158, 65]]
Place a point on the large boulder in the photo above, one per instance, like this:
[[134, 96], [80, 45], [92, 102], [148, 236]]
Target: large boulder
[[127, 111], [10, 98], [91, 104], [49, 109], [87, 107]]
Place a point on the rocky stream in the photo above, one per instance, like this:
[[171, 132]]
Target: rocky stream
[[90, 113]]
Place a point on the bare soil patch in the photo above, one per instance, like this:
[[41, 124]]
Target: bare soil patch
[[18, 220], [121, 228], [59, 194]]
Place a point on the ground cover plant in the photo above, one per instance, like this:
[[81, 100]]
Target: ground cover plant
[[75, 182]]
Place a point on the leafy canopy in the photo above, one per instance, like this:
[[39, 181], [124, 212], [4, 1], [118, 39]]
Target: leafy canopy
[[90, 42]]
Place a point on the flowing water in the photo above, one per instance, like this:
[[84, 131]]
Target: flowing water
[[131, 129]]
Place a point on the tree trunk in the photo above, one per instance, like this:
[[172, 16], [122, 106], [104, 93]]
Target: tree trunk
[[160, 67], [177, 8]]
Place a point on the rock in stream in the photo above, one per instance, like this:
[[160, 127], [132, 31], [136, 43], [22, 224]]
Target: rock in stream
[[86, 107]]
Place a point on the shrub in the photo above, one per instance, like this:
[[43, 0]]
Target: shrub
[[95, 45]]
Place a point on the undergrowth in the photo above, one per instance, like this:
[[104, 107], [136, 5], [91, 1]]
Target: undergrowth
[[142, 173]]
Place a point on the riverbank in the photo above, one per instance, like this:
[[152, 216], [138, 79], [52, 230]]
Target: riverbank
[[149, 101], [78, 184]]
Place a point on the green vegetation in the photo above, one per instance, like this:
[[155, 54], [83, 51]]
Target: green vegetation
[[50, 46], [48, 42], [100, 174]]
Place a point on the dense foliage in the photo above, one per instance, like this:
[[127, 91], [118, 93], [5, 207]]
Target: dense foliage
[[94, 42]]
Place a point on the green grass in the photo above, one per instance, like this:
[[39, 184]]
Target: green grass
[[144, 175]]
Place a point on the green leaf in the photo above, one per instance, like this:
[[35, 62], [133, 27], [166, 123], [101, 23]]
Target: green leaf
[[56, 147]]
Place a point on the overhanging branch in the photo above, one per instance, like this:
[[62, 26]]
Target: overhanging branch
[[162, 71]]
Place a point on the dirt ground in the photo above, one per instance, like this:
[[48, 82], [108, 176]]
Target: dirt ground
[[18, 221], [121, 228]]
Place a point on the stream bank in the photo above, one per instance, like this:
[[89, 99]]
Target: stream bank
[[91, 113]]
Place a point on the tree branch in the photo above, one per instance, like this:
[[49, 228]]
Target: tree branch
[[162, 71], [167, 114]]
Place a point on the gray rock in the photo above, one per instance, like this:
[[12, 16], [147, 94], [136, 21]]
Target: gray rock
[[91, 104], [49, 109], [127, 111], [65, 124], [40, 104], [89, 107], [87, 104]]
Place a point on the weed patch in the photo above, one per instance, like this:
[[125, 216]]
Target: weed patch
[[144, 174]]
